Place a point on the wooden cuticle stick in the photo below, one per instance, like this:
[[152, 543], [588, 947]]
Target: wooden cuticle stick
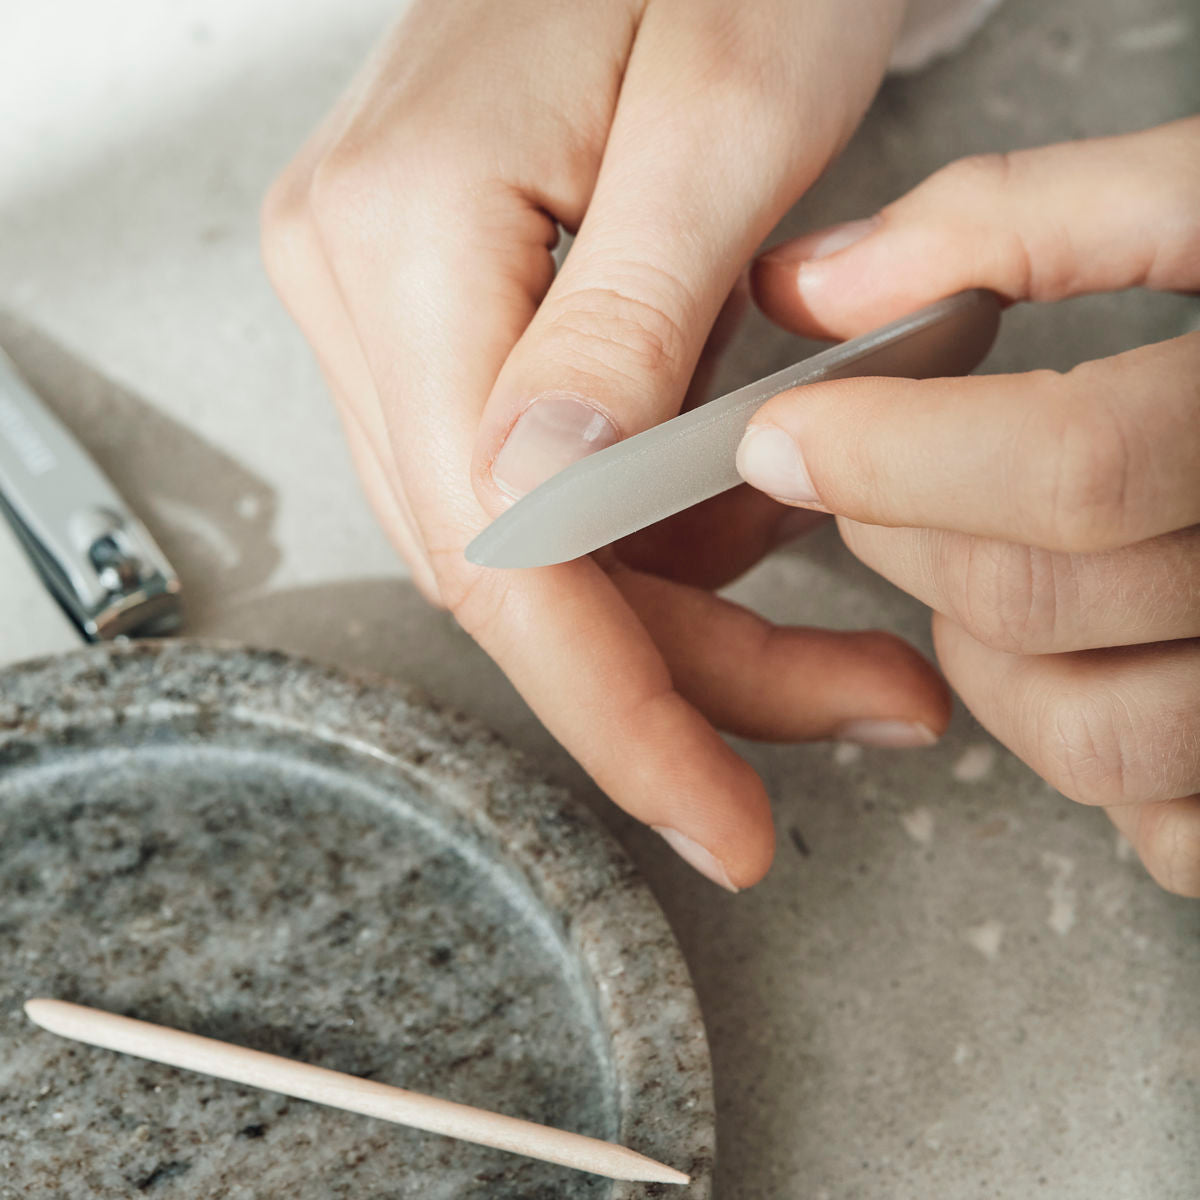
[[337, 1090]]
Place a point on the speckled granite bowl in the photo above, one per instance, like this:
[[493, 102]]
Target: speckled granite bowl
[[258, 849]]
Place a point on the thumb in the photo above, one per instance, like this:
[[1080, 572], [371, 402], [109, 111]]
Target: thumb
[[682, 199]]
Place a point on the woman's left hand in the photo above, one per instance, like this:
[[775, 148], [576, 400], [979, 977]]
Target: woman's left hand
[[1052, 521]]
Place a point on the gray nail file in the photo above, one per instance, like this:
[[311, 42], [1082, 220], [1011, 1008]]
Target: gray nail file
[[655, 474]]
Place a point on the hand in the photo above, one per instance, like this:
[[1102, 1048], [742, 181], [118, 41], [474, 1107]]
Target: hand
[[411, 239], [1051, 521]]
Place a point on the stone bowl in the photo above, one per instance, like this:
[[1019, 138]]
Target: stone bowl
[[255, 848]]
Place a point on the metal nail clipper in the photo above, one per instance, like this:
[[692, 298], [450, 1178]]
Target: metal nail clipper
[[94, 556]]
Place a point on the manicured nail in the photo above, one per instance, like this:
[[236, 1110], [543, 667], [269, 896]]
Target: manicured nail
[[696, 856], [894, 735], [821, 244], [556, 430], [769, 460]]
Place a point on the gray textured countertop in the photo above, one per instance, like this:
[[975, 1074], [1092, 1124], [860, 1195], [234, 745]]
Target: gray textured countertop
[[954, 982]]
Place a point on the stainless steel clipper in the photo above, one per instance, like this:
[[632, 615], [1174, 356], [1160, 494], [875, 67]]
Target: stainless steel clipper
[[94, 555]]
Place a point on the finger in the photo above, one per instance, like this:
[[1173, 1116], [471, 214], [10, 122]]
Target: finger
[[581, 658], [1166, 837], [701, 160], [1101, 457], [1105, 727], [729, 318], [389, 503], [784, 684], [1040, 224], [1026, 601], [296, 264]]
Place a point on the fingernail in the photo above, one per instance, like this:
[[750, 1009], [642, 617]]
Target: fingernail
[[770, 460], [894, 735], [821, 244], [556, 430], [696, 856]]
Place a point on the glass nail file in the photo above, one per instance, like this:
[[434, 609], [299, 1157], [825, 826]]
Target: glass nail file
[[681, 462]]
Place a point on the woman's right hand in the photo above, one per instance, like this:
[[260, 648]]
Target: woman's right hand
[[411, 239]]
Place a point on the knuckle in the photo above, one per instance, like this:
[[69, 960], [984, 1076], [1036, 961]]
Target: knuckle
[[374, 181], [979, 184], [343, 189], [1089, 751], [1176, 171], [1169, 843], [474, 597], [1078, 488], [374, 187], [744, 115], [421, 574], [1008, 596], [735, 61], [285, 234], [284, 202], [974, 174], [1024, 259], [624, 327]]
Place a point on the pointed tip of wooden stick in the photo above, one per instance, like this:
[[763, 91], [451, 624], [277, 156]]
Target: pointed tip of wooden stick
[[649, 1170], [669, 1175]]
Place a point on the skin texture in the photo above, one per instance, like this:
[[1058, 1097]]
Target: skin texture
[[411, 240], [1052, 521]]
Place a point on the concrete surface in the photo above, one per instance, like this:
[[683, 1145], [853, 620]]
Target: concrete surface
[[954, 982]]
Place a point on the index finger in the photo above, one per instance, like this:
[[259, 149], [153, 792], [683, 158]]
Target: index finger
[[583, 661], [1041, 224]]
